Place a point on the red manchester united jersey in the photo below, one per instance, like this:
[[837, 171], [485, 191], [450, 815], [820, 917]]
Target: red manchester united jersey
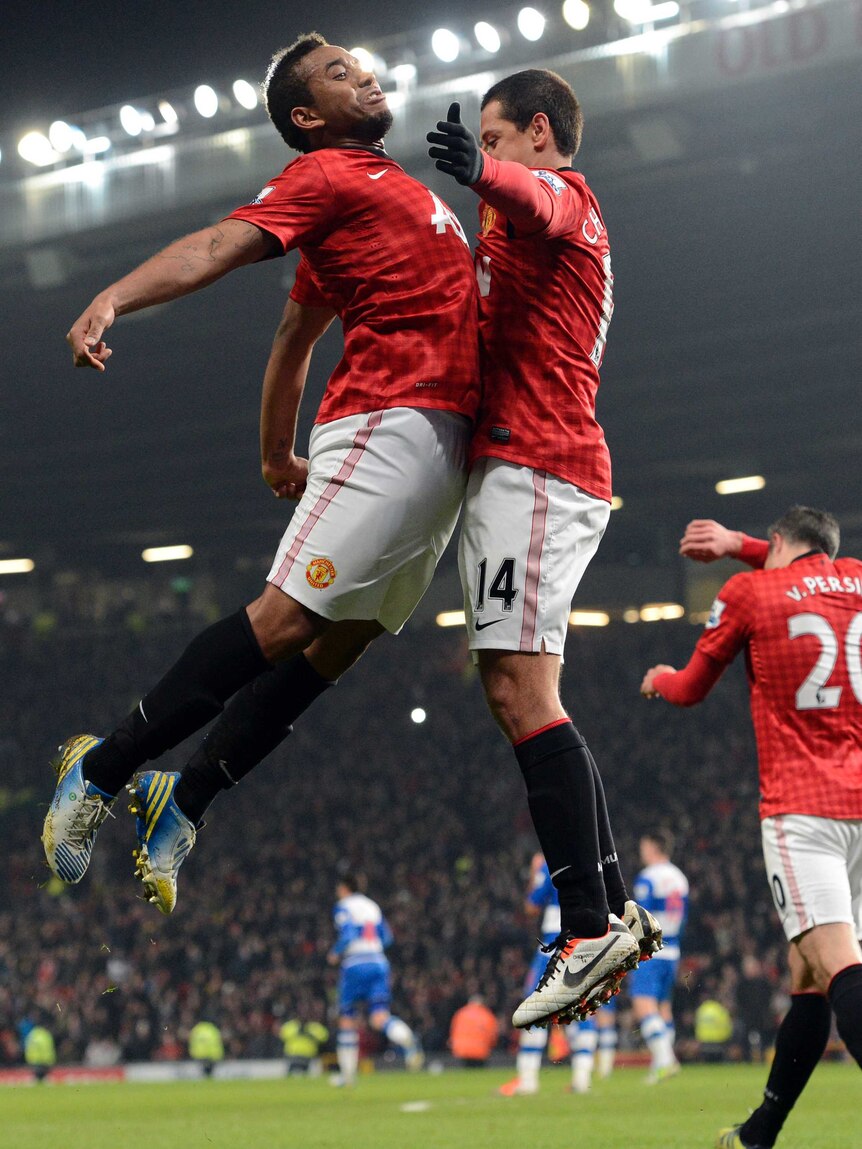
[[392, 260], [546, 300], [801, 629]]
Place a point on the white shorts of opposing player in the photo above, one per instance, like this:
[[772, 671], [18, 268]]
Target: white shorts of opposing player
[[526, 540], [381, 502], [814, 868]]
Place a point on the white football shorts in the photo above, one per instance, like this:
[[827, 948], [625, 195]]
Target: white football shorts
[[814, 867], [381, 501], [526, 540]]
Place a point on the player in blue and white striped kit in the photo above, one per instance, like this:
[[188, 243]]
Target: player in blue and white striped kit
[[662, 888], [362, 936], [583, 1036]]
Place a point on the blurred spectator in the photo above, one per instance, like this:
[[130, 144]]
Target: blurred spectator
[[474, 1032], [206, 1046], [303, 1041], [713, 1029], [754, 1009], [39, 1051]]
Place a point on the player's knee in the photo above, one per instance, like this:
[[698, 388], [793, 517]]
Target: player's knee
[[503, 701], [283, 626]]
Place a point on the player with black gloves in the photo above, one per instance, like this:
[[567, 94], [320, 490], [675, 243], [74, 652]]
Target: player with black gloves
[[538, 500]]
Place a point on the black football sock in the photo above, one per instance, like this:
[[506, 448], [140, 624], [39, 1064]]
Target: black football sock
[[845, 997], [213, 666], [253, 723], [560, 791], [800, 1044], [615, 887]]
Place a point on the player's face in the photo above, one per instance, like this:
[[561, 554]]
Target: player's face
[[348, 102], [504, 140]]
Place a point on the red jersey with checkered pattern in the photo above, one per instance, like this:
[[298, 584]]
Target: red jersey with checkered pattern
[[801, 629], [546, 300], [393, 262]]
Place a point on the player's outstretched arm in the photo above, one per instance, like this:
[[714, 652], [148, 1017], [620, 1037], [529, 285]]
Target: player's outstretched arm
[[648, 689], [456, 150], [684, 687], [283, 385], [186, 265], [510, 187], [705, 540]]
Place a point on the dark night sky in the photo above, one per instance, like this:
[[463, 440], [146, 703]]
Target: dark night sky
[[59, 57]]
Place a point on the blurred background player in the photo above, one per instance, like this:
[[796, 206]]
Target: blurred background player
[[362, 936], [594, 1047], [381, 491], [662, 888], [798, 618], [538, 496], [473, 1033]]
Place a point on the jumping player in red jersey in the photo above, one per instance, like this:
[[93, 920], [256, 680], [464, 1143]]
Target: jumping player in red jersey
[[538, 501], [798, 620], [384, 483]]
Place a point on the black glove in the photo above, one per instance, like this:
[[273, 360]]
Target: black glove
[[458, 154]]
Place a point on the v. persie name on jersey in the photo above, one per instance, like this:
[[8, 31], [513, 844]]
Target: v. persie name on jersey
[[820, 584]]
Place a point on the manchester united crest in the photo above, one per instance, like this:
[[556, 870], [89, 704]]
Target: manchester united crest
[[489, 218], [320, 573]]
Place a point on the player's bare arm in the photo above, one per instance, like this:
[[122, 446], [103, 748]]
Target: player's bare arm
[[283, 386], [186, 265], [648, 689], [705, 540]]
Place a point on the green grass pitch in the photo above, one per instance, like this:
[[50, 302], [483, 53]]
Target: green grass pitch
[[424, 1111]]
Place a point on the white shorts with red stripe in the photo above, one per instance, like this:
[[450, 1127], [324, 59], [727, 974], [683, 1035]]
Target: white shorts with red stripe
[[381, 502], [814, 867], [526, 540]]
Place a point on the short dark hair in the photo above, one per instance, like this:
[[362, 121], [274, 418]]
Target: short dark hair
[[351, 880], [523, 94], [285, 88], [661, 839], [815, 529]]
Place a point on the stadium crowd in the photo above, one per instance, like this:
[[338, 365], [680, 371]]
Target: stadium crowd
[[433, 815]]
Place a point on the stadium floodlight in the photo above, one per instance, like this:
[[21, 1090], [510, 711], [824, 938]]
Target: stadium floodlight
[[166, 554], [16, 566], [63, 137], [130, 120], [35, 147], [645, 12], [445, 45], [245, 94], [206, 101], [737, 486], [168, 112], [661, 611], [366, 60], [632, 614], [418, 715], [96, 145], [487, 36], [589, 618], [617, 503], [404, 74], [576, 13], [451, 618], [531, 24]]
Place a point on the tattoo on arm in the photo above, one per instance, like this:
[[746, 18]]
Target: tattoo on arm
[[192, 254]]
